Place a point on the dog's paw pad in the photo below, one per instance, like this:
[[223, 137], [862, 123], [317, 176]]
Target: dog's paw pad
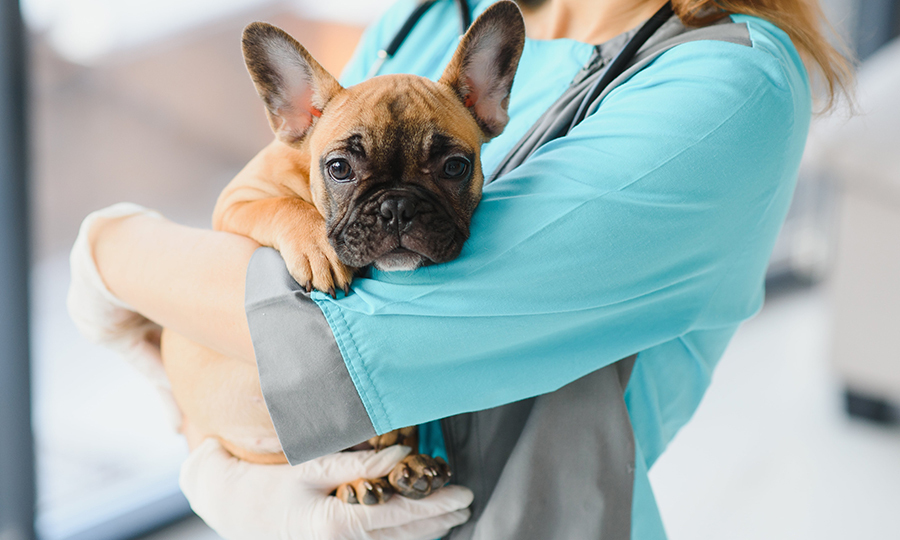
[[418, 475]]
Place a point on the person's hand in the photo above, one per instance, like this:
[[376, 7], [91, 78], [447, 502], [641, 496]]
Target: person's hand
[[246, 501], [107, 320]]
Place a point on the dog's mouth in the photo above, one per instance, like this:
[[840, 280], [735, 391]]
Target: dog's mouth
[[398, 230], [400, 259]]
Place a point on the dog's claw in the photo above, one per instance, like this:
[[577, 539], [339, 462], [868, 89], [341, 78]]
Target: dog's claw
[[346, 289], [332, 293]]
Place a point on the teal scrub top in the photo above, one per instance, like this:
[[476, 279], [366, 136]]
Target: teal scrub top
[[647, 229]]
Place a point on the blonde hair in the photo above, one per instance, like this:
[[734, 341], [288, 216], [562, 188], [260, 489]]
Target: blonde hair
[[802, 20]]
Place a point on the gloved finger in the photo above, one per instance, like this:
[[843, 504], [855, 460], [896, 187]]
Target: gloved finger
[[196, 467], [334, 469], [401, 511], [424, 529], [238, 500], [213, 470]]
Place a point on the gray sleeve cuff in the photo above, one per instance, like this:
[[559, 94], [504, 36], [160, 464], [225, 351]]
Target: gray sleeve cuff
[[309, 393]]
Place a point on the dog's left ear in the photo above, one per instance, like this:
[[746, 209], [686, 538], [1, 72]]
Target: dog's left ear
[[484, 65], [294, 87]]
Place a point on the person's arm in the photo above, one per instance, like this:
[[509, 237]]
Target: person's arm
[[653, 219], [189, 280]]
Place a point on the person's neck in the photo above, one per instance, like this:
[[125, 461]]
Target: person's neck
[[588, 21]]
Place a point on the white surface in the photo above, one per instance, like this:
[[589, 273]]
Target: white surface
[[866, 287]]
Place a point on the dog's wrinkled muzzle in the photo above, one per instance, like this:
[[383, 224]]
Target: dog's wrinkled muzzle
[[399, 230]]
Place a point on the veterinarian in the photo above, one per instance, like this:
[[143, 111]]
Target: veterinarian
[[622, 239]]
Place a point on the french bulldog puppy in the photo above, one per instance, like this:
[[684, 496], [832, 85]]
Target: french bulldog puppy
[[383, 173]]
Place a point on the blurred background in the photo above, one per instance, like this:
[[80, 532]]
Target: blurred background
[[149, 102]]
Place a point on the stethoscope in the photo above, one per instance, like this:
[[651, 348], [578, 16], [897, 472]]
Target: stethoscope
[[616, 68]]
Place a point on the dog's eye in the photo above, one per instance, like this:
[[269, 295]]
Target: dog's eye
[[456, 167], [340, 170]]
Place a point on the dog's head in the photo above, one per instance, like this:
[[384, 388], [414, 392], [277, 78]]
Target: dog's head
[[394, 161]]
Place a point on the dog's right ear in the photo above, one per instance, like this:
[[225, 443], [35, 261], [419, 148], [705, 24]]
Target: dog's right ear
[[482, 69], [294, 87]]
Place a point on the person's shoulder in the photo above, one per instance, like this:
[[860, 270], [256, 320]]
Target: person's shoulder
[[745, 101], [767, 38], [767, 63], [771, 57], [770, 43]]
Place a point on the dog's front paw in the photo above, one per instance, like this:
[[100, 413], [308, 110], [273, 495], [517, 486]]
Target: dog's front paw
[[315, 265], [418, 475]]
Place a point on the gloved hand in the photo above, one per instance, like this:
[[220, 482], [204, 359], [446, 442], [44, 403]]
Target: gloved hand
[[107, 320], [245, 501]]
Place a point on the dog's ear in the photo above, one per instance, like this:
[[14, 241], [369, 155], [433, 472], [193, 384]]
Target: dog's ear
[[294, 87], [484, 65]]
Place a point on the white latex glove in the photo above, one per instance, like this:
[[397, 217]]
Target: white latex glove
[[245, 501], [107, 320]]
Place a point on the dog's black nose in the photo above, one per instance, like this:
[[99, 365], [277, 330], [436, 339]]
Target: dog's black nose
[[398, 212]]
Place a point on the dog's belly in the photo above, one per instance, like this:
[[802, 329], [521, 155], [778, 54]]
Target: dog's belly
[[221, 398]]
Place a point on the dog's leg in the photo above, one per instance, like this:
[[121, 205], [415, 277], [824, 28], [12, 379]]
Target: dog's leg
[[408, 436], [262, 458], [296, 229]]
